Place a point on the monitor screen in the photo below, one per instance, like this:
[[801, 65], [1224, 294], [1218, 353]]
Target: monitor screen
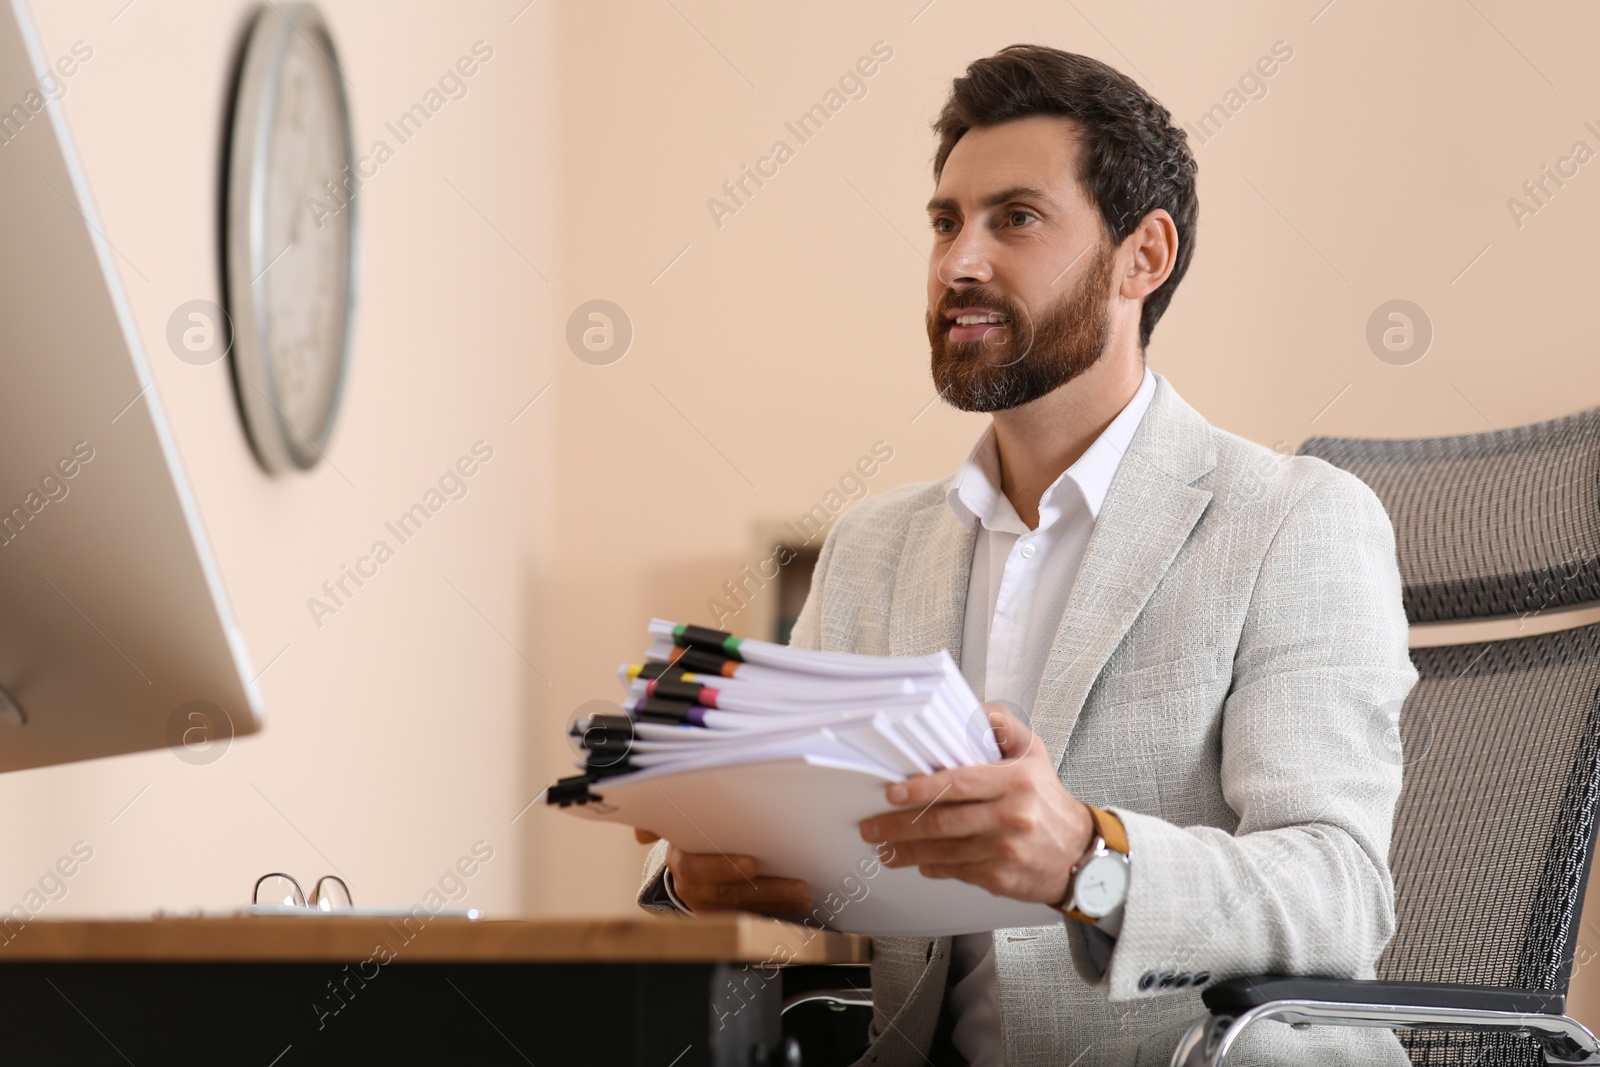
[[115, 630]]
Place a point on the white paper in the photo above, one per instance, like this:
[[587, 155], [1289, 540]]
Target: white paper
[[808, 661], [798, 817]]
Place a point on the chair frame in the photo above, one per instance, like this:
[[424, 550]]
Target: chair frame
[[1561, 1038], [837, 999]]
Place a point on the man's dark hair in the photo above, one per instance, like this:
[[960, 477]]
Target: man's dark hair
[[1134, 160]]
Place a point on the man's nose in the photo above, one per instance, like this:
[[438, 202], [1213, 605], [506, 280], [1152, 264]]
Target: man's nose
[[966, 262]]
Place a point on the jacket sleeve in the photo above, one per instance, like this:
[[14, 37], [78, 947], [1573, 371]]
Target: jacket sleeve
[[1308, 764], [653, 895]]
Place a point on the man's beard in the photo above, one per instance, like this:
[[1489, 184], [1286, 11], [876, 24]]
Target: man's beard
[[1025, 358]]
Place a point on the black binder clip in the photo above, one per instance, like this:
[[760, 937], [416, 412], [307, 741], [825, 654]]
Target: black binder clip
[[654, 709], [569, 791], [650, 670], [698, 661]]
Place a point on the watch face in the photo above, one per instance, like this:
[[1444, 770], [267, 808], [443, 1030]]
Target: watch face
[[1101, 885], [290, 237]]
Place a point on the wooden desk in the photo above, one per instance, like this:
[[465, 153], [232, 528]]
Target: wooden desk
[[280, 991]]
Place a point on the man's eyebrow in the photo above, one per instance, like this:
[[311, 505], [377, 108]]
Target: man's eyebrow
[[1015, 192]]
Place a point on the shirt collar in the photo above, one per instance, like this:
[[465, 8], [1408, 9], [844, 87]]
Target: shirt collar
[[974, 495]]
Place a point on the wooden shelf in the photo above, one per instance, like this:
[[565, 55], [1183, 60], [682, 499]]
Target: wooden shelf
[[733, 938]]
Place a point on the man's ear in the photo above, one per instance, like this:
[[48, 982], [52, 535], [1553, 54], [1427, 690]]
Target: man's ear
[[1152, 252]]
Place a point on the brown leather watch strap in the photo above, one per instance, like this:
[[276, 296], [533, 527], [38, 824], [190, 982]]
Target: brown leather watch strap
[[1108, 828]]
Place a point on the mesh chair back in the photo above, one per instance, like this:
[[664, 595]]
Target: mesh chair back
[[1488, 524], [1496, 822]]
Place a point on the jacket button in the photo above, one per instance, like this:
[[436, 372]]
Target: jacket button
[[1166, 980], [1202, 978], [1146, 980], [1183, 979]]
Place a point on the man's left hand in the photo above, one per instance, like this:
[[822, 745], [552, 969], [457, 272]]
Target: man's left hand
[[1010, 827]]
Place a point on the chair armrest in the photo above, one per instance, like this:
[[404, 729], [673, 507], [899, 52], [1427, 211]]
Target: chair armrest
[[1238, 1003], [837, 999], [1236, 996]]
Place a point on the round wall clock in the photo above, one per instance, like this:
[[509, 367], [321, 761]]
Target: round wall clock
[[291, 236]]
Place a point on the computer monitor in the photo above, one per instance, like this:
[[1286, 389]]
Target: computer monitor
[[115, 630]]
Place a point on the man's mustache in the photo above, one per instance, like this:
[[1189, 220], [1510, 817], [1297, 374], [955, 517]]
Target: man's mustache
[[973, 298]]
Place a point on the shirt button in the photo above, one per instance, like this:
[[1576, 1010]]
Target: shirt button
[[1028, 551]]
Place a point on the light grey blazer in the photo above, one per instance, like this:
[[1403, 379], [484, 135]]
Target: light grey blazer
[[1226, 678]]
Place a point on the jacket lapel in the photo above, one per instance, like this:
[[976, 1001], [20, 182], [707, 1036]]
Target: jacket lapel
[[1148, 513], [930, 584]]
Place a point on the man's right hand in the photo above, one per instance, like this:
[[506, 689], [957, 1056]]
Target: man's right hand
[[711, 881]]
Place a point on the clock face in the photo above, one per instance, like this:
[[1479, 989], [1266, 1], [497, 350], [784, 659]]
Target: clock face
[[291, 237]]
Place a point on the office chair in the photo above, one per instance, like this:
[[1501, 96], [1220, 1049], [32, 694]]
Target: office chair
[[834, 1036], [1495, 826]]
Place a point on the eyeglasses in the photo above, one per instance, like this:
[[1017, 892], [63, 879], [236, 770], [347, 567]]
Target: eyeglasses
[[280, 890]]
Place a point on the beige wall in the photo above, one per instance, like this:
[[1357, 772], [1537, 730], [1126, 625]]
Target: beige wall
[[768, 354]]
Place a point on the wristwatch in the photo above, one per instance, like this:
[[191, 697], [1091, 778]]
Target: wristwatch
[[1099, 883]]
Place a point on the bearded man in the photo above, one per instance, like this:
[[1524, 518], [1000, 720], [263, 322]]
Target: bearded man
[[1191, 647]]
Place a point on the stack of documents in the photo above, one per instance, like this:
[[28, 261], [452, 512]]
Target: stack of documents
[[736, 746]]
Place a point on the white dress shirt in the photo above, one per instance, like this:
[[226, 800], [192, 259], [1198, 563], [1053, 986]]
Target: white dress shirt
[[1015, 600]]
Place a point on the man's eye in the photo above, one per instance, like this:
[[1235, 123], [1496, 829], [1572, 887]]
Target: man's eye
[[943, 226], [1020, 217]]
